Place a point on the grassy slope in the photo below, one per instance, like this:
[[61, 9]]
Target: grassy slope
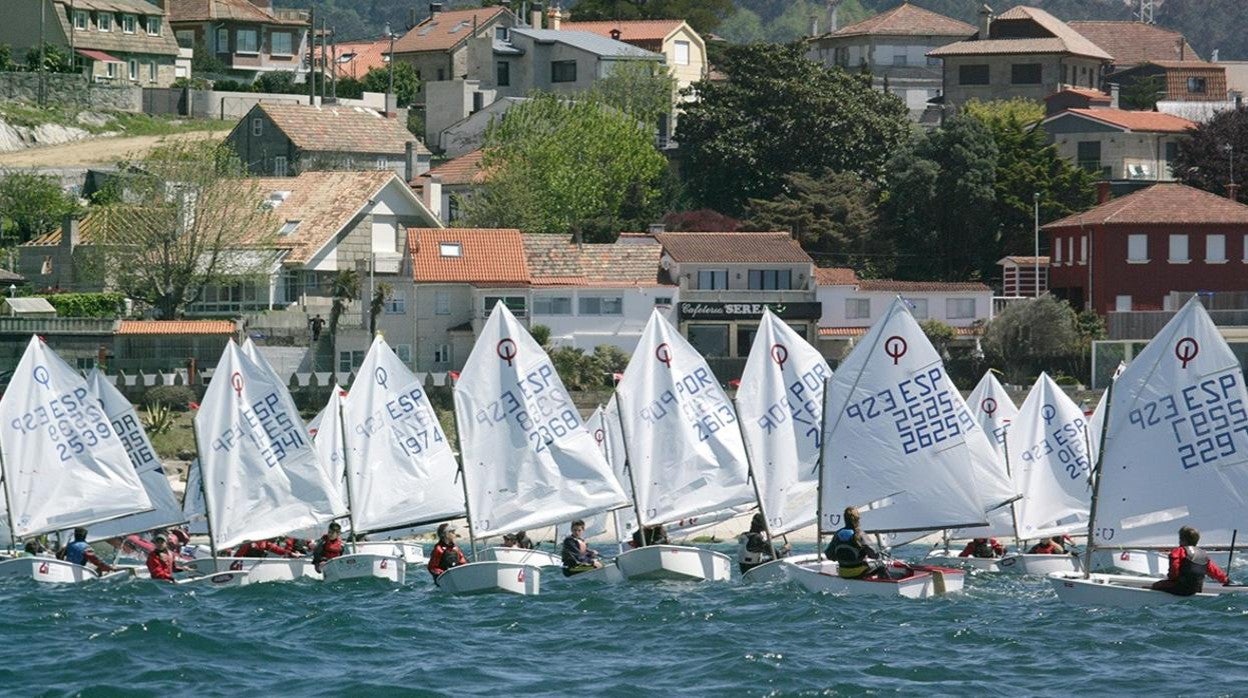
[[121, 123]]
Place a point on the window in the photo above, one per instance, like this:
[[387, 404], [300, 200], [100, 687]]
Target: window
[[595, 305], [682, 52], [1215, 249], [450, 249], [933, 61], [348, 361], [104, 21], [282, 43], [501, 33], [1088, 156], [110, 69], [383, 163], [663, 301], [516, 304], [46, 267], [840, 56], [972, 75], [404, 352], [153, 25], [960, 309], [1083, 249], [288, 227], [1196, 85], [502, 74], [129, 23], [563, 71], [186, 39], [441, 74], [82, 20], [552, 305], [1137, 248], [1246, 249], [441, 303], [133, 64], [1057, 251], [257, 126], [1025, 74], [385, 234], [442, 354], [709, 340], [712, 279], [279, 166], [857, 308], [1172, 151], [248, 41], [1070, 250], [151, 72], [223, 40], [395, 304], [1122, 304], [899, 59], [770, 279], [1178, 250], [918, 307]]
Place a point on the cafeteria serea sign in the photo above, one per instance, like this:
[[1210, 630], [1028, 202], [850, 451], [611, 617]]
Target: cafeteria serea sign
[[748, 311]]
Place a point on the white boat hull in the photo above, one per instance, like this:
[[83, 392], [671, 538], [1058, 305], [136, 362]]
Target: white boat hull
[[411, 553], [1150, 563], [1040, 565], [259, 569], [520, 556], [365, 565], [47, 570], [675, 563], [775, 570], [491, 577], [926, 582], [1125, 590], [228, 578], [609, 573], [949, 558]]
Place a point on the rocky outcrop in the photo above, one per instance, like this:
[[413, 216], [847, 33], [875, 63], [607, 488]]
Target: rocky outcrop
[[13, 138]]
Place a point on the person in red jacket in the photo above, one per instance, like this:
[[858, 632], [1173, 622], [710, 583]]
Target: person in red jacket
[[1050, 546], [1188, 567], [446, 554], [328, 547], [161, 563], [263, 548], [983, 547]]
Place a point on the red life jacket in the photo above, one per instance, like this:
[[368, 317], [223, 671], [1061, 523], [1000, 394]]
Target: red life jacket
[[160, 565], [330, 549]]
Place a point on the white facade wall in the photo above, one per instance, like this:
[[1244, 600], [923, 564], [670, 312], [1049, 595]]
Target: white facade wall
[[836, 306], [586, 331]]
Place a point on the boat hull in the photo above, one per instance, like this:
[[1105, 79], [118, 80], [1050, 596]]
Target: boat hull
[[1150, 563], [363, 566], [949, 558], [609, 573], [674, 563], [227, 578], [491, 577], [411, 553], [1040, 565], [520, 556], [1125, 590], [775, 570], [927, 581], [47, 570], [259, 569]]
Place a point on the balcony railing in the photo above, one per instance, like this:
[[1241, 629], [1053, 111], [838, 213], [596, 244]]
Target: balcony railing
[[57, 325]]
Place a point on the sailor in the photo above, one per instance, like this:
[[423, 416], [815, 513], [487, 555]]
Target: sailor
[[263, 548], [577, 557], [983, 547], [754, 546], [328, 547], [655, 535], [446, 554], [854, 558], [161, 562], [1188, 567], [79, 552], [509, 540], [523, 541], [1049, 546]]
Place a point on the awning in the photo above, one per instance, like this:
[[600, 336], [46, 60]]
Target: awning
[[98, 56]]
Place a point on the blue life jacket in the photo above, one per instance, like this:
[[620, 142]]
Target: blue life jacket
[[844, 548], [76, 552]]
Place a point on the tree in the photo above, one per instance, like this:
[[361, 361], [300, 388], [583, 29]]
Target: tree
[[406, 82], [939, 334], [32, 204], [703, 220], [205, 61], [776, 113], [191, 219], [555, 166], [638, 88], [55, 59], [1204, 161], [832, 215], [703, 15], [278, 82], [1038, 334], [1142, 94], [381, 294], [345, 289], [540, 334]]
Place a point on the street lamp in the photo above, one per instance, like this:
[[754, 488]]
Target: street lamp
[[1035, 199]]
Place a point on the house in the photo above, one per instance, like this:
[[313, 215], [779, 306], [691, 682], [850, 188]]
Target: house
[[1181, 81], [1024, 52], [893, 46], [1117, 144], [1078, 98], [30, 307], [353, 59], [125, 42], [445, 187], [284, 140], [1135, 43], [1131, 252], [249, 36], [682, 48], [1024, 276], [438, 47]]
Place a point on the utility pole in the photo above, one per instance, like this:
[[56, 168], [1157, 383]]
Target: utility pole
[[324, 62], [1036, 206], [312, 56], [390, 90], [43, 68]]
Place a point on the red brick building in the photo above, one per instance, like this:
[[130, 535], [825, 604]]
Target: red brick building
[[1129, 253]]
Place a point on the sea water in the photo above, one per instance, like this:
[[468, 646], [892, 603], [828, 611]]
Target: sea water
[[1003, 635]]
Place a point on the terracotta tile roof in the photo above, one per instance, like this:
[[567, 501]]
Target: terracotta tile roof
[[732, 247], [921, 286], [1091, 94], [1131, 43], [488, 256], [907, 20], [1144, 121], [553, 260], [339, 129], [1187, 65], [323, 203], [1163, 203], [356, 58], [445, 30], [167, 327], [835, 276], [854, 332], [217, 10], [1062, 39], [1024, 261], [634, 31], [465, 169]]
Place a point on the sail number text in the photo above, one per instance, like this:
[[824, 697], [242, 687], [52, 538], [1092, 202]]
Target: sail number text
[[1209, 420], [698, 399], [73, 422], [1067, 442], [418, 427], [921, 409], [802, 403], [268, 427], [537, 405]]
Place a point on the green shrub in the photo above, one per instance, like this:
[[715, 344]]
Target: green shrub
[[159, 418], [174, 397], [97, 305]]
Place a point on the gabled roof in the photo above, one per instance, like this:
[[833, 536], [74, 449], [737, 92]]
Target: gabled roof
[[631, 31], [894, 286], [1139, 121], [907, 20], [1091, 94], [116, 40], [1163, 203], [338, 129], [554, 260], [835, 276], [1182, 65], [732, 247], [465, 169], [230, 10], [592, 43], [1061, 39], [1131, 43], [487, 256], [1024, 261], [169, 327], [356, 58], [446, 30]]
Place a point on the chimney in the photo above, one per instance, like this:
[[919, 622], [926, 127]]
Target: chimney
[[615, 34], [434, 8], [1181, 42], [1103, 192], [263, 4], [1232, 191], [535, 15], [556, 17], [656, 228], [431, 195], [1113, 95], [814, 25], [411, 17], [409, 161], [985, 22], [834, 9]]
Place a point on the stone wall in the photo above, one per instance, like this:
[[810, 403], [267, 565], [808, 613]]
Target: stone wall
[[65, 88]]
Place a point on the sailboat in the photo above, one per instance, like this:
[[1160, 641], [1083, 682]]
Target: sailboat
[[1174, 453], [895, 446], [257, 467], [62, 463], [528, 460], [780, 405], [400, 469], [684, 451]]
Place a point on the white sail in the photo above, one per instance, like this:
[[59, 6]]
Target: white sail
[[326, 432], [600, 523], [780, 403], [1096, 423], [993, 411], [528, 459], [684, 447], [895, 445], [193, 510], [1176, 445], [260, 472], [1050, 461], [399, 461], [166, 511], [64, 465]]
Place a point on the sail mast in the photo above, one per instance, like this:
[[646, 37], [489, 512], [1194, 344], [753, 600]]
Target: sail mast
[[628, 465], [823, 431], [346, 472], [1096, 485], [749, 468], [8, 504], [203, 489]]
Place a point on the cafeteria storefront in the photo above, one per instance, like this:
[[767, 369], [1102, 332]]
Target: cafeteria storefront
[[726, 330]]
